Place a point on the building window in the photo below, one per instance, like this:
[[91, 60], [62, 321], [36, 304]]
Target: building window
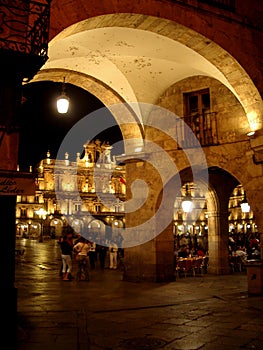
[[24, 199], [77, 207], [180, 216], [23, 213], [196, 102], [200, 119]]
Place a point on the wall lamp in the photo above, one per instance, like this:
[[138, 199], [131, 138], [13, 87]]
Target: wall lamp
[[251, 133], [63, 100]]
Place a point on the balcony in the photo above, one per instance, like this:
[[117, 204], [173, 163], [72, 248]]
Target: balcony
[[197, 129], [228, 5], [24, 34]]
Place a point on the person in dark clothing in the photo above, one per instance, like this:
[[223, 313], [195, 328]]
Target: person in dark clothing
[[182, 253], [102, 251], [66, 256], [92, 255]]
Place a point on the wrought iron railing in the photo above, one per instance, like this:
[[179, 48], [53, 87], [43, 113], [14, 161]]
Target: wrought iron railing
[[24, 26], [229, 5], [197, 129]]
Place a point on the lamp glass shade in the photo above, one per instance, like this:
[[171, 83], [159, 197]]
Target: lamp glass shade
[[62, 104], [245, 207], [187, 205]]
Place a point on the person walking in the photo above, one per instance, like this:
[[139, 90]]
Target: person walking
[[82, 249], [113, 249], [66, 256]]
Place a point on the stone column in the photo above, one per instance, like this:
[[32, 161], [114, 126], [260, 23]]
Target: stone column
[[165, 255], [21, 56], [258, 213], [222, 185], [153, 259], [140, 263], [218, 243], [9, 102], [259, 221]]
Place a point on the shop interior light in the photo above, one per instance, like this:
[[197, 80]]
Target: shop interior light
[[63, 100], [187, 203]]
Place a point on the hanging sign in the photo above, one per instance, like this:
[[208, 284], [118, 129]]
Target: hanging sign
[[15, 183]]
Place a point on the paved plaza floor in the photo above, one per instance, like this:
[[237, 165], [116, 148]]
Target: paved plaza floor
[[205, 312]]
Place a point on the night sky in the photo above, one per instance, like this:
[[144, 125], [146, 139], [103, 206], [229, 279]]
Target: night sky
[[42, 128]]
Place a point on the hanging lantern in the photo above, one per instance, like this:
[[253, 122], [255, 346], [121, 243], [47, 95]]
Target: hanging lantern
[[187, 203], [63, 100]]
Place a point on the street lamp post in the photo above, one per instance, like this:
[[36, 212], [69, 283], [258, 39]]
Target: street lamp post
[[42, 214]]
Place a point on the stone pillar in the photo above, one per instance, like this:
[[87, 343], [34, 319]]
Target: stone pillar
[[218, 243], [153, 259], [255, 199], [140, 263], [259, 220], [21, 56], [7, 267], [221, 187], [9, 101], [165, 255]]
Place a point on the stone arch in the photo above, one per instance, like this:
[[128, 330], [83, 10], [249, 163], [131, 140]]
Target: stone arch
[[238, 163], [95, 230], [220, 186], [221, 64], [57, 225]]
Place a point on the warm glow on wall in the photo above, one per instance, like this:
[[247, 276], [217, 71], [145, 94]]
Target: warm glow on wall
[[254, 121]]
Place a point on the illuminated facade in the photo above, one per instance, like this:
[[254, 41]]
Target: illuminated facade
[[85, 195], [197, 229]]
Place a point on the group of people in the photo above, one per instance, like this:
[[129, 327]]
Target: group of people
[[244, 245], [85, 252], [184, 251]]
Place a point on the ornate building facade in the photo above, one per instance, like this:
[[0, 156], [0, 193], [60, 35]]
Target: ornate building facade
[[84, 195]]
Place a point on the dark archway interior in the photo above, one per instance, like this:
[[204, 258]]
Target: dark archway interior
[[222, 182]]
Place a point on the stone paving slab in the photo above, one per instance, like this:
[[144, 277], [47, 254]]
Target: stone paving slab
[[207, 312]]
